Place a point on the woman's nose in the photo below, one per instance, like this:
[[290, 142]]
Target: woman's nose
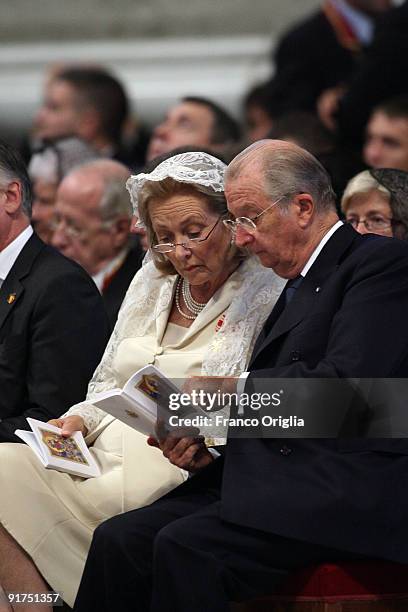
[[361, 227], [181, 251]]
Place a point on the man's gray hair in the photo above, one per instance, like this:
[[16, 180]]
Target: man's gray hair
[[12, 168], [288, 170], [115, 200]]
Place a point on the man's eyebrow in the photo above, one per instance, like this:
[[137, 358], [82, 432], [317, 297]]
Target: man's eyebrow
[[391, 140]]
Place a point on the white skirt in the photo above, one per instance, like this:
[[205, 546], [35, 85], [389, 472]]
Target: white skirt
[[52, 515]]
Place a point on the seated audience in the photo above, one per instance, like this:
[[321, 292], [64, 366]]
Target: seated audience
[[92, 225], [53, 327], [47, 168], [376, 201], [386, 143], [195, 308], [197, 122]]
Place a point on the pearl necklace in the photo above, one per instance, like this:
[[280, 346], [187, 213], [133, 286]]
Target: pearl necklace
[[193, 306], [189, 301]]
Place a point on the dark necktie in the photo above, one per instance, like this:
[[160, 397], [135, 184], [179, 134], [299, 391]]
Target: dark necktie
[[286, 296], [290, 288]]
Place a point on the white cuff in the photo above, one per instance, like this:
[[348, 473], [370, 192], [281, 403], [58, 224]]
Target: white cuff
[[241, 383]]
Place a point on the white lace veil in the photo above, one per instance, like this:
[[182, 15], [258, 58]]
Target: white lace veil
[[194, 168]]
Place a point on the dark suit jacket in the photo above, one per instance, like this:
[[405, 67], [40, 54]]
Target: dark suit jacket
[[53, 330], [309, 59], [348, 494], [115, 292]]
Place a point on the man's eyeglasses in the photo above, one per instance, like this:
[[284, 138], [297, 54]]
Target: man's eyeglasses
[[73, 231], [249, 224], [372, 224], [190, 243]]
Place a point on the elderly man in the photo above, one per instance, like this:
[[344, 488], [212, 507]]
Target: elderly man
[[194, 121], [269, 506], [47, 168], [53, 328], [93, 217]]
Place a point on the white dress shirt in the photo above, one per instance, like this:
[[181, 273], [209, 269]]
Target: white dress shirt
[[361, 24], [9, 255]]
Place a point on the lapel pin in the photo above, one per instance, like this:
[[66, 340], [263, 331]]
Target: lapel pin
[[317, 289], [11, 298]]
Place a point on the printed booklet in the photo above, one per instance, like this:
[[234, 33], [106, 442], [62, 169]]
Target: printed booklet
[[57, 452], [137, 403]]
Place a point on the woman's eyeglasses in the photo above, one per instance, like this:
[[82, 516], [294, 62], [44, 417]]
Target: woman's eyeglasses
[[372, 224], [190, 243]]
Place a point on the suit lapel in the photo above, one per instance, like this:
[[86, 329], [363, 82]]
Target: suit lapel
[[12, 289], [286, 318]]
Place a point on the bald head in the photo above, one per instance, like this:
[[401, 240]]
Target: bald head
[[94, 213], [286, 170], [101, 169]]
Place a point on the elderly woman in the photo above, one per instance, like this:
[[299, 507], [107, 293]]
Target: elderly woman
[[376, 201], [195, 308]]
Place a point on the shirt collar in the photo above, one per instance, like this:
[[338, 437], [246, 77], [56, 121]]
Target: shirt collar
[[9, 255], [109, 269], [319, 247], [361, 24]]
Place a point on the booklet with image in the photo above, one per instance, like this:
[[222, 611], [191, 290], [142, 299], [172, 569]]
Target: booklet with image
[[139, 402], [58, 452]]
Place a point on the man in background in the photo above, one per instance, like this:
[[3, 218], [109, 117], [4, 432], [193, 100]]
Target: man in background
[[322, 51], [386, 143], [92, 224], [197, 122], [90, 103], [53, 328]]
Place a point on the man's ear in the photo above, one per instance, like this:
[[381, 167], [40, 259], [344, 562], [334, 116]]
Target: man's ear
[[305, 208], [13, 197], [88, 124], [121, 232]]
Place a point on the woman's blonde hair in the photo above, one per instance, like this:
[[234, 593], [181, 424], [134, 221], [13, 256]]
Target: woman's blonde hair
[[167, 188], [363, 182]]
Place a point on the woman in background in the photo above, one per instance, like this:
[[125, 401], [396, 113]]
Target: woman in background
[[376, 201]]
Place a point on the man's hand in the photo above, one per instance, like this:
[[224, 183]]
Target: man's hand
[[211, 386], [327, 105], [70, 425], [189, 453]]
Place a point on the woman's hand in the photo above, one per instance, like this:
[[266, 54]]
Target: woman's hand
[[70, 425]]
